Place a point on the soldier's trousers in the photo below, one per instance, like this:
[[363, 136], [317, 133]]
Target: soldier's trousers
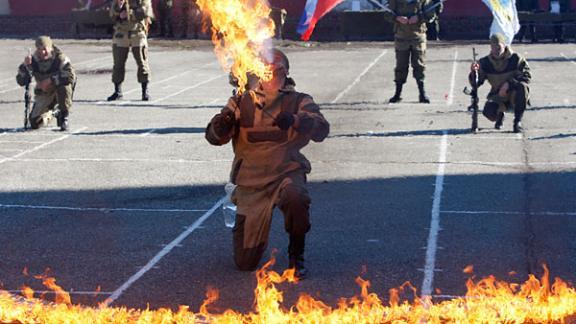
[[404, 58], [294, 202], [121, 55], [44, 103], [516, 101]]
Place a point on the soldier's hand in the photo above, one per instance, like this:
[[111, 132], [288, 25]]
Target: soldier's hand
[[28, 60], [402, 20], [44, 84], [224, 123], [123, 14], [413, 20], [503, 91], [284, 120], [475, 67]]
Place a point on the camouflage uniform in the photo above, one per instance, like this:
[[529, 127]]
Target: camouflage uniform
[[268, 168], [410, 43], [131, 33], [433, 26], [511, 68], [59, 69]]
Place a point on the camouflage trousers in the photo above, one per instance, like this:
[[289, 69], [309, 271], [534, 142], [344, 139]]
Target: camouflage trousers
[[121, 55], [516, 102], [413, 55], [44, 103]]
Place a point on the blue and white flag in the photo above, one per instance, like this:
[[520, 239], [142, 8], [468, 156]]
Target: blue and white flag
[[505, 19]]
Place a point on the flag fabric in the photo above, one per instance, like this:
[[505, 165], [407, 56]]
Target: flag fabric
[[505, 18], [313, 11]]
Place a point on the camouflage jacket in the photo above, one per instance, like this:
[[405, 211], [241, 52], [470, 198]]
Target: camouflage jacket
[[58, 68], [133, 30], [409, 8]]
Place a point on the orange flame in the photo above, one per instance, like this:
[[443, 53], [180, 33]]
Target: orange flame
[[487, 300], [241, 33]]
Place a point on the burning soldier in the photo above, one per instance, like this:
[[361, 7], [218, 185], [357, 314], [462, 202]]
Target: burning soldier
[[55, 80], [410, 18], [132, 18], [268, 125], [509, 75]]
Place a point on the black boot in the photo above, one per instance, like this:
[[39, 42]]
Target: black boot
[[117, 92], [397, 94], [145, 94], [296, 256], [62, 120], [499, 121], [423, 98]]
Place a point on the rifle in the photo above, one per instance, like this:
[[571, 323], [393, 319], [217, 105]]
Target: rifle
[[27, 99], [473, 93]]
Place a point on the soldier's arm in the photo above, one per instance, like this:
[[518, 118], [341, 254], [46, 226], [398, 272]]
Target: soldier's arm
[[24, 75], [426, 16], [523, 74], [311, 121], [216, 133], [390, 15], [65, 74], [143, 11], [115, 10]]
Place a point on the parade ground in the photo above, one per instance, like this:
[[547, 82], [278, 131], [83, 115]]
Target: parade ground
[[126, 205]]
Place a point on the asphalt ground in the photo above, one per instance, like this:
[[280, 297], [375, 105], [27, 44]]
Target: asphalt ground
[[126, 205]]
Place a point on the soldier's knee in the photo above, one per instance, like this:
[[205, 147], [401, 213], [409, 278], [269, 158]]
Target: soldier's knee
[[293, 195], [35, 123], [247, 259], [490, 110]]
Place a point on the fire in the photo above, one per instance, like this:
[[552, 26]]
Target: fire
[[488, 300], [241, 33]]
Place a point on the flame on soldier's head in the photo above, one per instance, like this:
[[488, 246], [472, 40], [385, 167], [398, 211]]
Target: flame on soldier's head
[[487, 301], [241, 32]]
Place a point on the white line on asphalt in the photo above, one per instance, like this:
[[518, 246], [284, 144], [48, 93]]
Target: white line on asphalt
[[51, 292], [36, 148], [432, 244], [118, 292], [568, 59], [150, 131], [43, 160], [476, 212], [453, 79], [351, 85], [12, 89], [188, 88], [101, 209]]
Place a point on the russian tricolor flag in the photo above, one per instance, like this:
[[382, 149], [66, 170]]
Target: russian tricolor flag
[[313, 11]]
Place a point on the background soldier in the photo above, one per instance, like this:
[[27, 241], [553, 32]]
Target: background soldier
[[165, 17], [190, 12], [278, 15], [409, 18], [559, 25], [433, 26], [132, 19], [268, 126], [55, 79], [527, 6], [509, 75]]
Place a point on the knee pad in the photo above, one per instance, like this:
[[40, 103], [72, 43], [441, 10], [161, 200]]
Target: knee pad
[[490, 110]]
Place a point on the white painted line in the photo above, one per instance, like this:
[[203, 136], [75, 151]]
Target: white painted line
[[569, 60], [36, 148], [102, 209], [12, 89], [188, 88], [118, 292], [478, 212], [152, 130], [341, 94], [123, 160], [453, 79], [432, 244], [51, 292]]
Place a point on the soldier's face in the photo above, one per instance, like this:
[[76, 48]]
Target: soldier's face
[[44, 53], [278, 78], [497, 49]]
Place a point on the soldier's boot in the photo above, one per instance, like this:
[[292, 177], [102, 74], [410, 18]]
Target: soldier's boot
[[62, 120], [397, 94], [145, 93], [517, 127], [296, 256], [499, 121], [423, 98], [117, 92]]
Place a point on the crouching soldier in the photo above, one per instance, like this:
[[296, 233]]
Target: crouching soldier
[[268, 126], [509, 75], [55, 80]]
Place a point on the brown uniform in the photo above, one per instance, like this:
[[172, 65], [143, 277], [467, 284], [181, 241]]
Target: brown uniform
[[131, 33], [511, 68], [59, 69], [268, 168]]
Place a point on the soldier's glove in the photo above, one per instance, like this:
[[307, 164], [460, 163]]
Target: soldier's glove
[[284, 120], [224, 123], [306, 124]]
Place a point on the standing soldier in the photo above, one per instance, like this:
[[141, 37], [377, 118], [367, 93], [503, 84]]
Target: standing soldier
[[165, 17], [268, 126], [132, 19], [558, 26], [190, 12], [409, 18], [433, 26], [527, 6], [509, 75], [55, 79]]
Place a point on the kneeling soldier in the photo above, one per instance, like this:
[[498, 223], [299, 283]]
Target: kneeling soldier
[[55, 79], [509, 75]]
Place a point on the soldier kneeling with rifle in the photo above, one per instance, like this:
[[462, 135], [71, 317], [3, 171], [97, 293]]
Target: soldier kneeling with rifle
[[55, 79], [509, 75]]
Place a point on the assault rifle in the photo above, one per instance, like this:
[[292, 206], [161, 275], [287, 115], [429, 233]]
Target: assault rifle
[[473, 93], [27, 98]]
